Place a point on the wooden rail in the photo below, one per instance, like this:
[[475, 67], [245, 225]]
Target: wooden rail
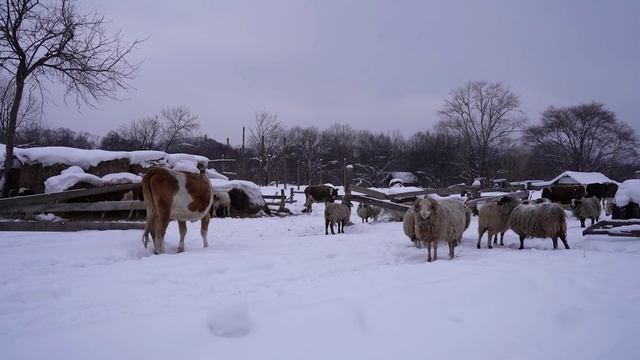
[[63, 195], [100, 206], [607, 227], [69, 225]]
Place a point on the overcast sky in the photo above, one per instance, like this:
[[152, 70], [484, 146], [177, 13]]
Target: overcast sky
[[379, 65]]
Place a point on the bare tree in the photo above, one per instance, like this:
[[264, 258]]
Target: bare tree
[[587, 137], [266, 142], [485, 116], [178, 123], [51, 39], [29, 112]]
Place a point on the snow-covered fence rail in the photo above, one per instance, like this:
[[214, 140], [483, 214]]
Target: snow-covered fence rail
[[69, 225], [629, 228], [56, 203], [281, 199], [11, 202]]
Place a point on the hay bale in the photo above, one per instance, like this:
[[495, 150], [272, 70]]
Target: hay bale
[[109, 167]]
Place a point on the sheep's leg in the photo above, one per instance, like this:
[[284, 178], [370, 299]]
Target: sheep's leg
[[501, 238], [495, 239], [582, 222], [451, 249], [429, 259], [491, 235], [480, 233], [182, 226], [342, 227], [435, 250], [331, 226], [521, 242], [555, 242], [204, 230], [593, 221], [563, 237], [326, 227]]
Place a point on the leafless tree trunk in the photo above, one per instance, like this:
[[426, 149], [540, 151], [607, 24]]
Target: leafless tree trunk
[[28, 114], [485, 116], [586, 137], [178, 123], [52, 39], [266, 142]]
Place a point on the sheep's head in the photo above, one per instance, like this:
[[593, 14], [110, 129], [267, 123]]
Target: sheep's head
[[424, 207], [575, 203]]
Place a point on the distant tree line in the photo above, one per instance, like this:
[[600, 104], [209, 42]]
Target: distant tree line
[[481, 133]]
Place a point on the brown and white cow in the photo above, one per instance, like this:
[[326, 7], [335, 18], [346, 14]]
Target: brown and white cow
[[319, 194], [170, 194]]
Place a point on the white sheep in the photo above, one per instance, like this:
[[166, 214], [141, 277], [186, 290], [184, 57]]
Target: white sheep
[[408, 225], [335, 213], [546, 220], [222, 200], [437, 220], [366, 211], [586, 208], [493, 217]]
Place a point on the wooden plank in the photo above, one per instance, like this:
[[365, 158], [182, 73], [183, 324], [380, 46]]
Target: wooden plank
[[522, 195], [68, 225], [78, 207], [380, 203], [63, 195], [370, 193], [603, 227], [410, 194], [277, 197]]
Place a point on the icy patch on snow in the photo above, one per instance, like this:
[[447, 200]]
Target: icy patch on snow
[[229, 319], [629, 191]]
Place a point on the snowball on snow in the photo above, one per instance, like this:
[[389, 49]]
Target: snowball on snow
[[629, 191]]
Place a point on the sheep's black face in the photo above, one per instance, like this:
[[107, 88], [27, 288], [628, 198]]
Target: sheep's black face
[[575, 203]]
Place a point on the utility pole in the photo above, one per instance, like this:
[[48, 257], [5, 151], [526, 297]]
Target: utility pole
[[284, 164]]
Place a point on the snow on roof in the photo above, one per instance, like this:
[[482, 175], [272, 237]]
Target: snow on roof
[[629, 191], [249, 188], [50, 155], [576, 177], [74, 175], [405, 176]]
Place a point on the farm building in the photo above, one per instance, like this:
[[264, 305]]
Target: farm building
[[627, 201], [574, 185], [403, 178]]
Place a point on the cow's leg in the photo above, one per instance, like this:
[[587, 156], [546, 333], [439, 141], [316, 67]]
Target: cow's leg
[[161, 221], [149, 228], [182, 226], [204, 229]]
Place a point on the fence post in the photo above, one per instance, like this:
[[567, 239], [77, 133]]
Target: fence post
[[282, 200], [347, 184]]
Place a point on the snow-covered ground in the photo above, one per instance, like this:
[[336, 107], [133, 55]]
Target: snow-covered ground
[[278, 288]]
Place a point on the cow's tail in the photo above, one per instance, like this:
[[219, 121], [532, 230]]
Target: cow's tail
[[150, 205]]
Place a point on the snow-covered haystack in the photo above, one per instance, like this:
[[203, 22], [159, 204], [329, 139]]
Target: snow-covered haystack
[[246, 197], [627, 201], [75, 175], [33, 167]]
